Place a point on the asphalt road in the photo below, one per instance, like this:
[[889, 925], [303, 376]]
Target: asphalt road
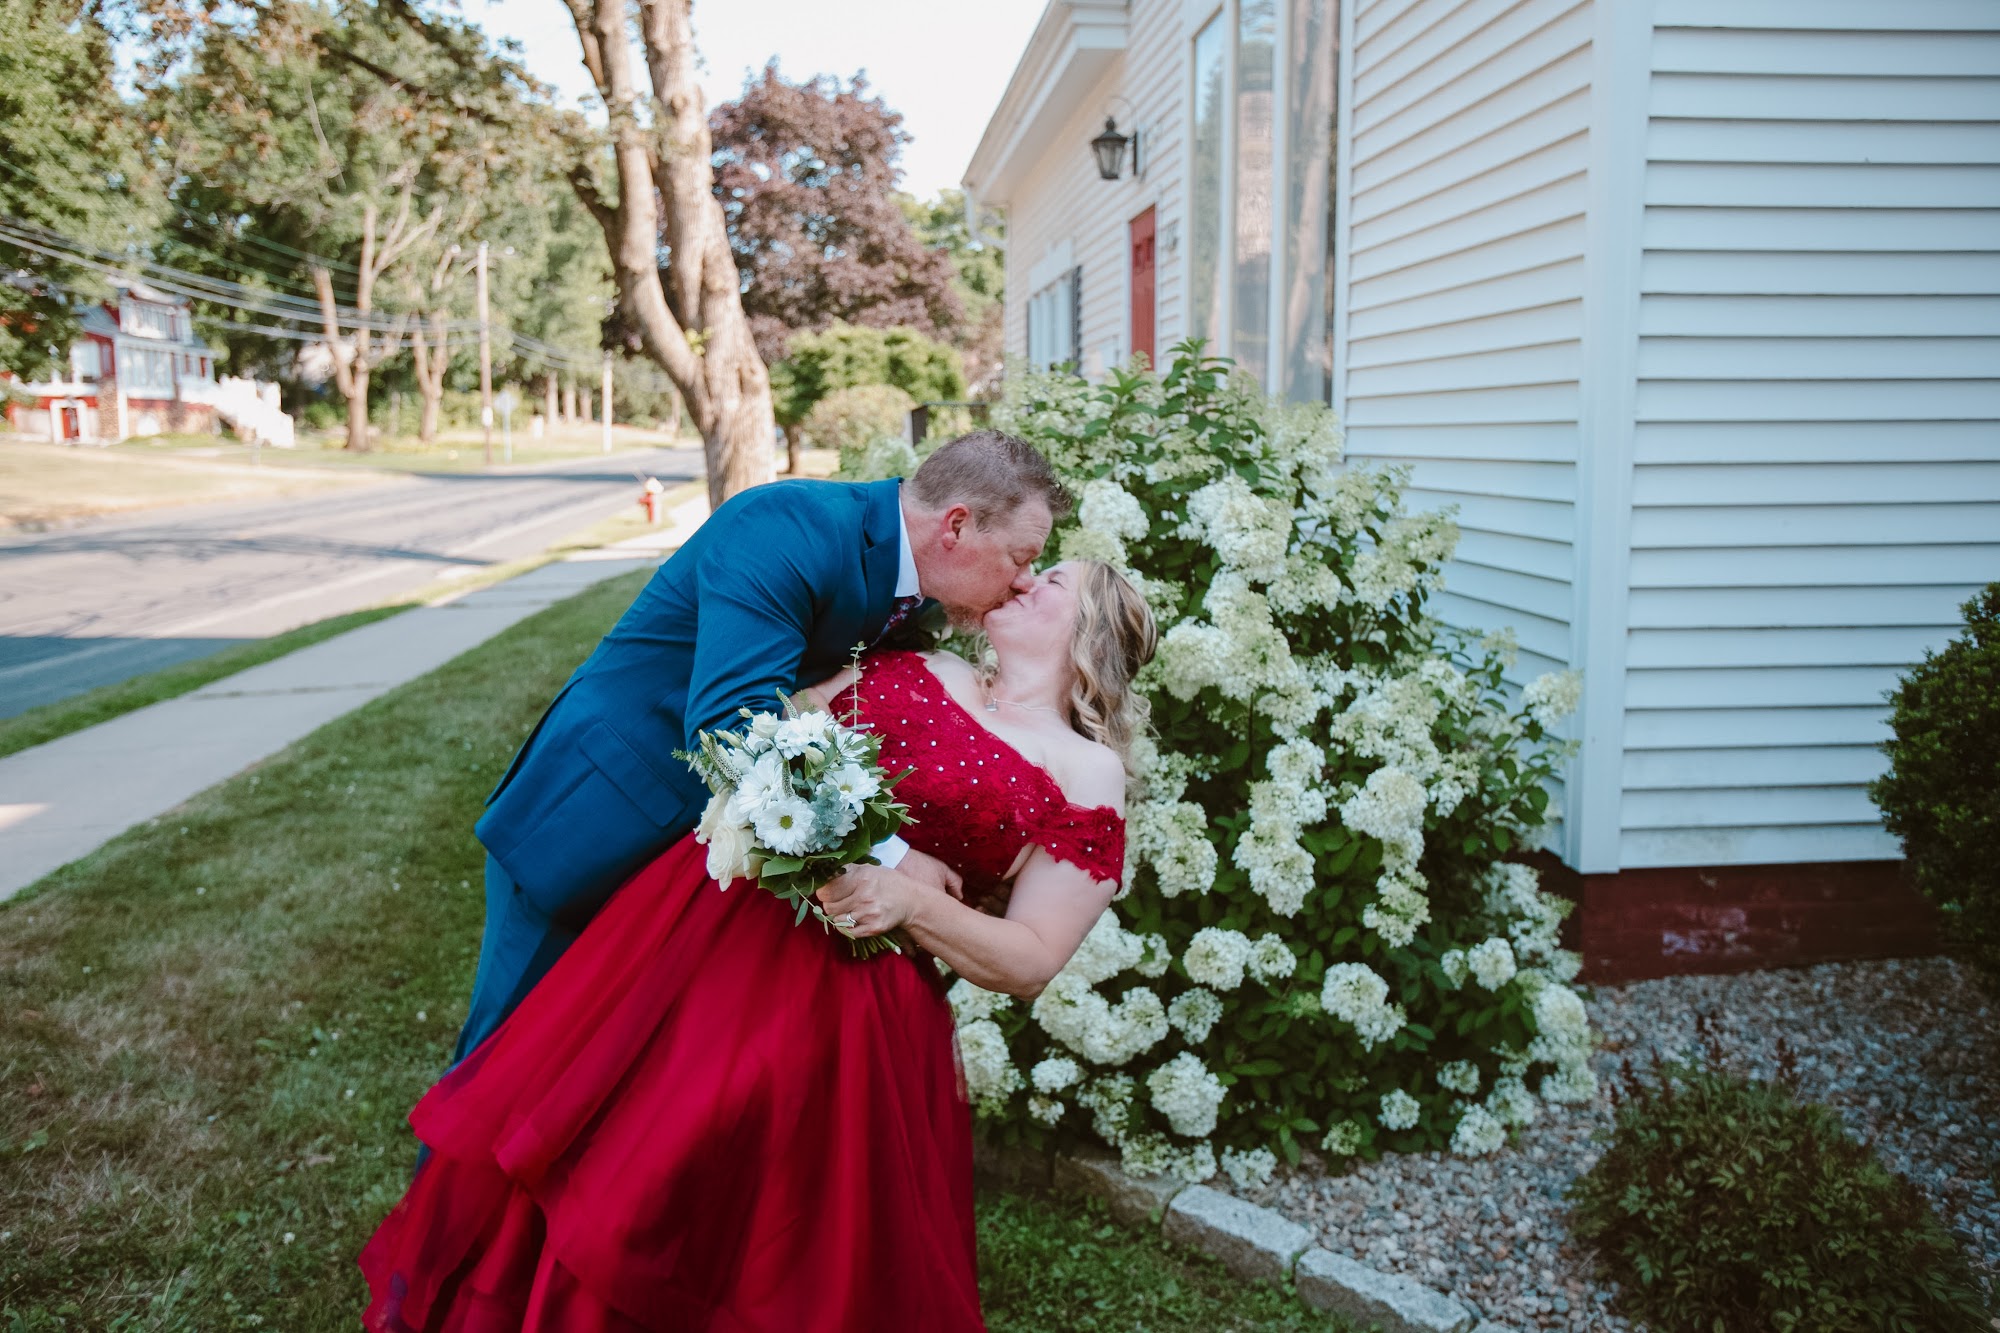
[[100, 603]]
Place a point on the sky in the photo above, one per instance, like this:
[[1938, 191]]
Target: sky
[[943, 64]]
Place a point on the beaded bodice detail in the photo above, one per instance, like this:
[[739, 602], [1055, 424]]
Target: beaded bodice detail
[[975, 801]]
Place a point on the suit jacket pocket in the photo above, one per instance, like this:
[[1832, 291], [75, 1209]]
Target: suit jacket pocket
[[628, 771]]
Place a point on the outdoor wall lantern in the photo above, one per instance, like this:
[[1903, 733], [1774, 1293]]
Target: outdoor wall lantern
[[1110, 149]]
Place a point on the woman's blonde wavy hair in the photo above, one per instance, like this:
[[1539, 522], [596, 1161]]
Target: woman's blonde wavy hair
[[1115, 636]]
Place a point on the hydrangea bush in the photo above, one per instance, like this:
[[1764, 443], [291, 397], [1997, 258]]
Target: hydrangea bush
[[1319, 940]]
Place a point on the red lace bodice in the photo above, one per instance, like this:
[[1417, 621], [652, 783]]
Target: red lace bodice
[[975, 801]]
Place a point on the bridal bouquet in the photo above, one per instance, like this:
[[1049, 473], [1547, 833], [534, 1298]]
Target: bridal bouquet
[[797, 799]]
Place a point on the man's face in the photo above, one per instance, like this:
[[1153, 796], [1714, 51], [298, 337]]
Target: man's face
[[985, 564]]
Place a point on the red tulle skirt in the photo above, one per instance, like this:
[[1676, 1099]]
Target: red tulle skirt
[[703, 1118]]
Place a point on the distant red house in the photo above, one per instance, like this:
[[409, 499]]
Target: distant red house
[[138, 369]]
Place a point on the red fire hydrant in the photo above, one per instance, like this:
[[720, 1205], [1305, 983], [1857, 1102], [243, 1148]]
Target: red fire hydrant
[[649, 500]]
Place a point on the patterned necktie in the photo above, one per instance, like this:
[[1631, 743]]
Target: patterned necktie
[[905, 608]]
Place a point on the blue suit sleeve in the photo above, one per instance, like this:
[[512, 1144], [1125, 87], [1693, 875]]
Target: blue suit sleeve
[[757, 597]]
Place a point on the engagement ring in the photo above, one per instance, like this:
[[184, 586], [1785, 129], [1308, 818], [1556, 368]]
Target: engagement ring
[[844, 921]]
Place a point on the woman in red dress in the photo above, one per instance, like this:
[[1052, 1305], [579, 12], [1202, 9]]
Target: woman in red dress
[[706, 1118]]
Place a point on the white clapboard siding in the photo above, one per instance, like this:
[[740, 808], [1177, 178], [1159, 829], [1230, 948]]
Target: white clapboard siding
[[1064, 207], [1816, 482], [1461, 347]]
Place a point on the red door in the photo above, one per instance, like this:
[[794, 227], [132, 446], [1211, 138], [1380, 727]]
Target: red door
[[1142, 284]]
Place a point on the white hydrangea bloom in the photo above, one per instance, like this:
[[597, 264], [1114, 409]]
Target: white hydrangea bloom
[[1216, 957], [1156, 958], [1106, 951], [1307, 584], [1569, 1085], [1399, 1110], [1552, 697], [1478, 1134], [1511, 1103], [1271, 959], [1281, 870], [1194, 1014], [1145, 1155], [1070, 1011], [990, 1076], [1344, 1138], [1247, 531], [1390, 808], [969, 1003], [1088, 543], [1454, 965], [1055, 1073], [1250, 1169], [1172, 837], [1459, 1076], [1491, 963], [1048, 1110], [1109, 507], [1353, 993], [1187, 1094], [1193, 657], [1109, 1100]]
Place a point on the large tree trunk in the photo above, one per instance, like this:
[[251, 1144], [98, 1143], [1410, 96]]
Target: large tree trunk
[[549, 401], [352, 375], [666, 195]]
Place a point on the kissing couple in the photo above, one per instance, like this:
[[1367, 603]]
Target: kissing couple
[[670, 1109]]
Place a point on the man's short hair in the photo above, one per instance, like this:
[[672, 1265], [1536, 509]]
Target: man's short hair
[[989, 473]]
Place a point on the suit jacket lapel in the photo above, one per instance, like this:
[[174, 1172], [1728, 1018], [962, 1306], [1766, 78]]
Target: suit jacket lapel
[[881, 554]]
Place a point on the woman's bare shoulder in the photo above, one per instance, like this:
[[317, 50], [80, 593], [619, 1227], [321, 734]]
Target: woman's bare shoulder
[[1090, 772]]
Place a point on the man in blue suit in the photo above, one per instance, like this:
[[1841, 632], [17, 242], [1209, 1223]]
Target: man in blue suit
[[772, 593]]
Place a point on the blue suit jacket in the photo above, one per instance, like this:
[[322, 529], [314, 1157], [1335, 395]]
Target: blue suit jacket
[[772, 592]]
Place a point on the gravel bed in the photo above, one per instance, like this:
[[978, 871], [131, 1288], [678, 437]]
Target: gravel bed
[[1907, 1051]]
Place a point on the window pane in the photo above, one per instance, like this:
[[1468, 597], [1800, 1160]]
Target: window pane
[[1313, 28], [1205, 220], [1251, 306]]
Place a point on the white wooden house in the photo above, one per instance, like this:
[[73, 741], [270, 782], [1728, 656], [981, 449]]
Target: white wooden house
[[1692, 307]]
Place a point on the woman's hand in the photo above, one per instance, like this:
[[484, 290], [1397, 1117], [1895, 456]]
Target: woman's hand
[[877, 899]]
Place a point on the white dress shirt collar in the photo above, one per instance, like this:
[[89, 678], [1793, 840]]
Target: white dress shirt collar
[[906, 568]]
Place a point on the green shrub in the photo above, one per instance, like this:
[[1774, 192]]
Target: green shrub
[[1322, 940], [1724, 1203], [1941, 795], [858, 419], [846, 356]]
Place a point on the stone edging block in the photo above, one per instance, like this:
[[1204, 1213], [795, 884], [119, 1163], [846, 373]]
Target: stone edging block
[[1134, 1201], [1256, 1243], [1329, 1281], [1252, 1242]]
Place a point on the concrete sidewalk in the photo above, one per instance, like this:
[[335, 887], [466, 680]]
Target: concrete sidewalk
[[65, 799]]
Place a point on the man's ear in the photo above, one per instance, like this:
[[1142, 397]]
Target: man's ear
[[956, 519]]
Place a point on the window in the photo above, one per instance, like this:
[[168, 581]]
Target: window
[[1055, 321], [1305, 313], [146, 371], [1205, 238], [83, 364], [1250, 296]]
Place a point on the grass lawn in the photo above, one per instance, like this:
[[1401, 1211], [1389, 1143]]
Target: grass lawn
[[212, 1028], [42, 485]]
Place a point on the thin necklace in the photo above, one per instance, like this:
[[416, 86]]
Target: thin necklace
[[993, 704]]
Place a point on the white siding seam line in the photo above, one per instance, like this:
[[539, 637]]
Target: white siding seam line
[[1621, 69], [1340, 287]]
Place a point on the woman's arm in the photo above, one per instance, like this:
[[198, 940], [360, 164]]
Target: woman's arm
[[1054, 906]]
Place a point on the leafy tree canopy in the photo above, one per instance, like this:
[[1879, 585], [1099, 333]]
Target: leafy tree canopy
[[806, 173]]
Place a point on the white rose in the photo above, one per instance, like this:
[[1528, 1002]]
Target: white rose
[[728, 839]]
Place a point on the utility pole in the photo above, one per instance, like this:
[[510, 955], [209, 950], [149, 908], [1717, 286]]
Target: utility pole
[[607, 400], [485, 360]]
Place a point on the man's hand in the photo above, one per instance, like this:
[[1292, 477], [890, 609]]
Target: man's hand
[[927, 869]]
